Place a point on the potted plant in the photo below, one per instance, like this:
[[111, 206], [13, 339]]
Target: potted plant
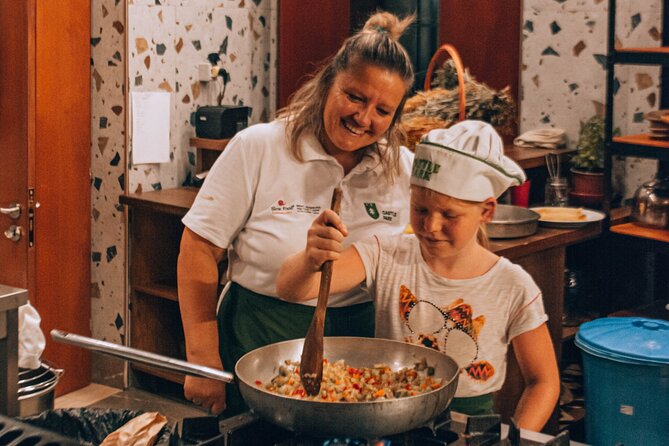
[[587, 171]]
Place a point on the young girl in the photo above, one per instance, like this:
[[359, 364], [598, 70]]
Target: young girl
[[442, 288]]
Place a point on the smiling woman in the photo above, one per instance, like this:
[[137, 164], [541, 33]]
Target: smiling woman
[[259, 198]]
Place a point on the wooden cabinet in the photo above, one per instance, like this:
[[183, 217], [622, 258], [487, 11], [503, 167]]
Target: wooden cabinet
[[154, 235]]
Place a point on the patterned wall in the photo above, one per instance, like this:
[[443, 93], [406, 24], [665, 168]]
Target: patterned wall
[[166, 39], [563, 77], [108, 161]]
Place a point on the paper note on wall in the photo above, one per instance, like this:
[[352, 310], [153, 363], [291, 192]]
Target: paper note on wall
[[150, 127]]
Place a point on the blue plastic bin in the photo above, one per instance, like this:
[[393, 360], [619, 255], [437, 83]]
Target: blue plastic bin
[[625, 381]]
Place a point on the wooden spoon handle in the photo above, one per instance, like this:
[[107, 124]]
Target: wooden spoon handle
[[326, 268], [311, 361]]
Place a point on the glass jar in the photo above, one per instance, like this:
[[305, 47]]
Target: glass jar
[[556, 192]]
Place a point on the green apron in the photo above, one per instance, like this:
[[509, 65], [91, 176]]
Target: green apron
[[248, 320], [475, 405]]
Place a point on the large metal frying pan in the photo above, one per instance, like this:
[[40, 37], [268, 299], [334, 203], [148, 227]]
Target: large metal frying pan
[[361, 420]]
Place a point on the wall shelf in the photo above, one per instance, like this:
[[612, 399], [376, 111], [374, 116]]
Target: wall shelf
[[207, 151], [634, 230], [641, 145], [642, 56]]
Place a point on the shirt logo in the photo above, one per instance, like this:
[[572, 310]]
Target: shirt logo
[[372, 211], [281, 207]]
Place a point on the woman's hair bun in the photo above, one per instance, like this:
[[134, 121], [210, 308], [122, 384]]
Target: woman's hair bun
[[386, 22]]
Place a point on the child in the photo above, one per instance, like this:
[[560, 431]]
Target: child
[[442, 288]]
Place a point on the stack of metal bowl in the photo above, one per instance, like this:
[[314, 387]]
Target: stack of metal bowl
[[512, 222], [36, 389]]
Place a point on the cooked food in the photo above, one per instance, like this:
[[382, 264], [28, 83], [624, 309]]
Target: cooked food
[[562, 214], [344, 383]]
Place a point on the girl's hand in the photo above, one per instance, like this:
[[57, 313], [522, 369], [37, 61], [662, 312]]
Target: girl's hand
[[324, 239]]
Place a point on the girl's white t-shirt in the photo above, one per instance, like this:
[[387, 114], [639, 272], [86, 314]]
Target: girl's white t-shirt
[[471, 320]]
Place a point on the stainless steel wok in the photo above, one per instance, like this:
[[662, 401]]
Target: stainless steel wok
[[362, 420]]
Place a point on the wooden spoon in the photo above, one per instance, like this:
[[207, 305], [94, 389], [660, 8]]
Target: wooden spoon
[[311, 362]]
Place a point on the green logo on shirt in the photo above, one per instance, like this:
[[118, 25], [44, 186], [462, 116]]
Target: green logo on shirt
[[372, 211]]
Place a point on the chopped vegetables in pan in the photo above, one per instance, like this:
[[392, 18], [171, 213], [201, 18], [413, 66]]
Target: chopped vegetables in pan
[[344, 383]]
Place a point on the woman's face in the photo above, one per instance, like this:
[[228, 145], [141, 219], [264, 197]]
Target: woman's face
[[360, 108], [445, 226]]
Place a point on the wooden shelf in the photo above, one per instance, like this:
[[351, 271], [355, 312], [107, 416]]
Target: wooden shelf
[[634, 230], [569, 332], [529, 158], [211, 144], [164, 290], [641, 145], [643, 56], [175, 201], [656, 310]]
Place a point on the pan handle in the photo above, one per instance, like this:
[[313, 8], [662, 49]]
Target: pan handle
[[140, 356]]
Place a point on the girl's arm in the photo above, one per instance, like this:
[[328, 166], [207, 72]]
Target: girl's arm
[[299, 276], [536, 359]]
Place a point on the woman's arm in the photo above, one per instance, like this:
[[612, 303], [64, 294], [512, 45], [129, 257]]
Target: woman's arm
[[299, 276], [197, 282], [536, 359]]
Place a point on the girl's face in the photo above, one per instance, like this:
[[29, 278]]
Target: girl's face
[[360, 108], [445, 226]]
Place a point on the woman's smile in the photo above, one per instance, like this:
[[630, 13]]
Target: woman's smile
[[359, 109]]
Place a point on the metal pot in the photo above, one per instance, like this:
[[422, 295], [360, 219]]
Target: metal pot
[[512, 221], [365, 419], [651, 204], [36, 389]]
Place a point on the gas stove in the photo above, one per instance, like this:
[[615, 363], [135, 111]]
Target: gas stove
[[451, 429]]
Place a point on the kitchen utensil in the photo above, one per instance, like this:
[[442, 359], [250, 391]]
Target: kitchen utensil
[[358, 420], [512, 221], [650, 206], [556, 190], [362, 419], [142, 357], [311, 361], [37, 388]]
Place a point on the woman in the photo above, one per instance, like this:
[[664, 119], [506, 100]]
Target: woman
[[261, 195]]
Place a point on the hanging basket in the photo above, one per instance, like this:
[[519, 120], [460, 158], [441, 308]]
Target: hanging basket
[[417, 126], [437, 61]]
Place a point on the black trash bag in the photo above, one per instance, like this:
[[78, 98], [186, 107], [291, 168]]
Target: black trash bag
[[91, 426]]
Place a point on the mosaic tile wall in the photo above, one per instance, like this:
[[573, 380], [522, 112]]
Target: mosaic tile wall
[[166, 40], [108, 161], [563, 77]]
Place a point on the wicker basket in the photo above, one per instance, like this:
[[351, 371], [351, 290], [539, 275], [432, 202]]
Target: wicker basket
[[417, 127]]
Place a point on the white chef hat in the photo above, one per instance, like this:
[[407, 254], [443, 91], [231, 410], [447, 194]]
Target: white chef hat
[[465, 161]]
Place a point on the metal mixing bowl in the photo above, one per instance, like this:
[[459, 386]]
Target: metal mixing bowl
[[512, 221]]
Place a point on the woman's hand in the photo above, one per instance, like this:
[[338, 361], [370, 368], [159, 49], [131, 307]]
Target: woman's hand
[[324, 239], [208, 393]]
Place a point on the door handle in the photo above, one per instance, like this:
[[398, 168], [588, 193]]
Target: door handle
[[14, 211], [14, 233]]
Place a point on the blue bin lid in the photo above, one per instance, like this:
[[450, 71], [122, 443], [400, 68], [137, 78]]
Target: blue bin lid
[[626, 339]]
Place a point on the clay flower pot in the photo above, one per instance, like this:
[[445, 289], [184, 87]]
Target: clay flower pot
[[587, 188]]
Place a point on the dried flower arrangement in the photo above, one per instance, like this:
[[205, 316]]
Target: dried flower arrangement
[[438, 107]]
